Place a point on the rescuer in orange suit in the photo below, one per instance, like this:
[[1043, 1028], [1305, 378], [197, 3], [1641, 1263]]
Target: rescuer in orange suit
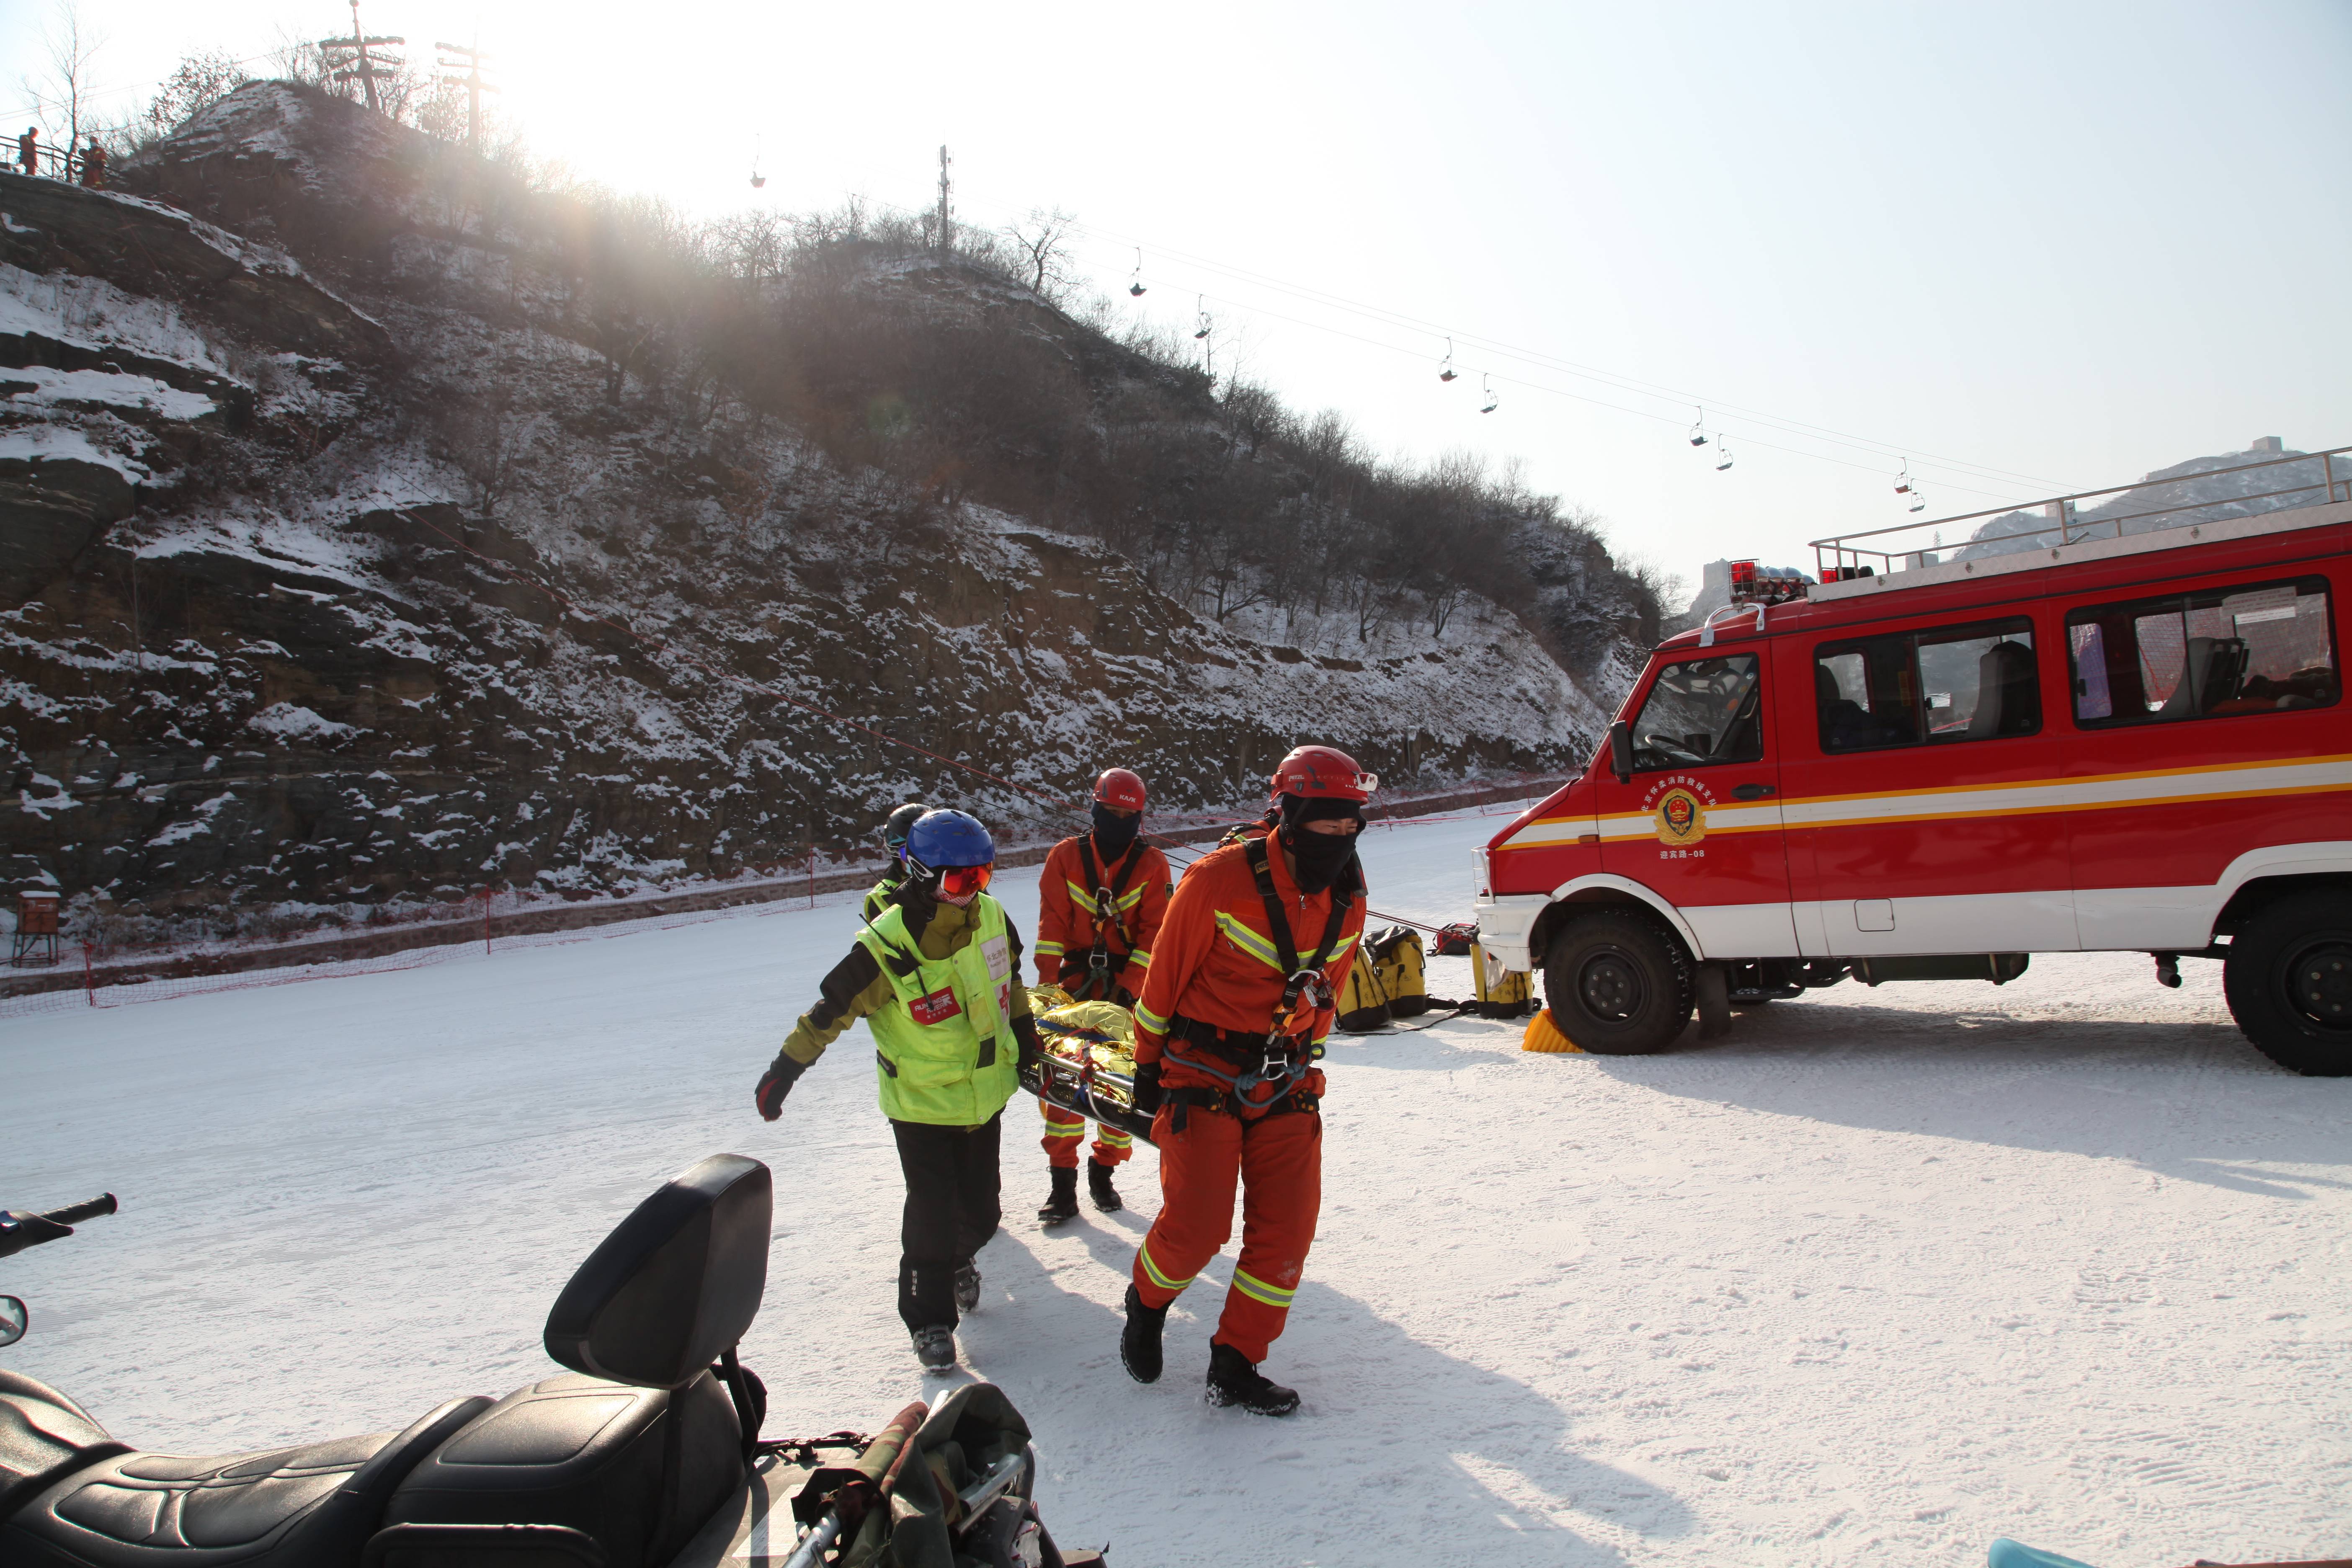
[[1235, 1006], [1099, 904]]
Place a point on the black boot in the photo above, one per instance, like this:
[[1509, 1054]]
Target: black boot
[[1063, 1203], [1233, 1381], [1139, 1343], [967, 1287], [1098, 1187], [935, 1346]]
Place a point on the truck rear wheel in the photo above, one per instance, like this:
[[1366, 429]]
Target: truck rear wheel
[[1618, 984], [2288, 979]]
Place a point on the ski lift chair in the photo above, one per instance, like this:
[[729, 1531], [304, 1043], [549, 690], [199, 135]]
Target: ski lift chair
[[2008, 700], [1491, 399], [1698, 430], [1135, 285], [1722, 454], [1445, 370]]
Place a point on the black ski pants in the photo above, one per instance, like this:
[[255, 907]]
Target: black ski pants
[[951, 1210]]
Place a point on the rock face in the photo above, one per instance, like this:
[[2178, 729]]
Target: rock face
[[57, 498], [384, 573]]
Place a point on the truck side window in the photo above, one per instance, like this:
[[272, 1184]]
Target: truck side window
[[1699, 712], [1975, 682], [2261, 649]]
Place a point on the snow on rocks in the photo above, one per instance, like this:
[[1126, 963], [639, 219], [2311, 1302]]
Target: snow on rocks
[[1881, 1276], [290, 721]]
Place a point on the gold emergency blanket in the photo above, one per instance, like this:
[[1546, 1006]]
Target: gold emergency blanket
[[1089, 1046]]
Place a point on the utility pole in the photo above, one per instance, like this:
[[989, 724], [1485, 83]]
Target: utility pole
[[947, 217], [471, 65], [348, 57]]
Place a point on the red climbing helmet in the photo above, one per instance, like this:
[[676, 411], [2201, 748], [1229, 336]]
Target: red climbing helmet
[[1120, 788], [1325, 772]]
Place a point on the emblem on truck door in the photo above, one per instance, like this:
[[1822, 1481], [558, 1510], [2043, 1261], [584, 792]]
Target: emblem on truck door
[[1682, 818]]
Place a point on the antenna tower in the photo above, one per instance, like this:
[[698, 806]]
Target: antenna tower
[[467, 69], [347, 60]]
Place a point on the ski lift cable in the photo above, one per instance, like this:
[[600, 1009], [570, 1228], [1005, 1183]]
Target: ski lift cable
[[1622, 382], [1669, 419], [1796, 428], [2000, 497], [1789, 427]]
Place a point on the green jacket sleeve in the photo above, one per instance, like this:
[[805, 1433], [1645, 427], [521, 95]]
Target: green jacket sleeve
[[855, 987]]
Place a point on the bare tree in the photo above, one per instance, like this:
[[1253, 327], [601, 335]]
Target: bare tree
[[1043, 239], [61, 92], [199, 81]]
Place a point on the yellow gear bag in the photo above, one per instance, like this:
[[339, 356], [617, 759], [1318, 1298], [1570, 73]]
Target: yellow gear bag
[[1502, 993], [1388, 980]]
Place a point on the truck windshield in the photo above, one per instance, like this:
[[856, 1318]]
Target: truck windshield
[[1701, 711]]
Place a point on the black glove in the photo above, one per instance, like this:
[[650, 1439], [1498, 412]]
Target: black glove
[[1147, 1092], [776, 1083], [1033, 1049]]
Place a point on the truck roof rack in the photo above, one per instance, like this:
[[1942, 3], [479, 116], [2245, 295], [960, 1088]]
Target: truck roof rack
[[2120, 520]]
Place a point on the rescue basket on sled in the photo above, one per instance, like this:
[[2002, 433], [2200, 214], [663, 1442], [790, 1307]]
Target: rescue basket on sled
[[1090, 1064]]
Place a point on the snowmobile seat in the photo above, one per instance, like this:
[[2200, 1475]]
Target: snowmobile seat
[[635, 1470], [44, 1437], [309, 1506], [638, 1447]]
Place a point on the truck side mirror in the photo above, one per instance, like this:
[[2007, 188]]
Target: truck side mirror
[[1621, 751]]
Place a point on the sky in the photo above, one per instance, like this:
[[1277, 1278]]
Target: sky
[[2032, 248]]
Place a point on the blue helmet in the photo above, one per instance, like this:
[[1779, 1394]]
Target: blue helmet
[[944, 839]]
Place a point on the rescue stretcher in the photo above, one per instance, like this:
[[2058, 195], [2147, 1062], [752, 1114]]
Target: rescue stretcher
[[1089, 1067]]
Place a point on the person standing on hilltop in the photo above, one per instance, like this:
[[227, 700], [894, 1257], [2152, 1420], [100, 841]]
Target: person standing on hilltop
[[936, 979], [28, 150], [93, 166], [1239, 998], [1099, 904]]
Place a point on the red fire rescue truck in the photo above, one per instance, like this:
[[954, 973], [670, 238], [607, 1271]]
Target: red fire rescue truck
[[2126, 731]]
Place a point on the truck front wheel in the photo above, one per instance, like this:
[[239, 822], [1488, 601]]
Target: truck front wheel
[[2288, 979], [1618, 984]]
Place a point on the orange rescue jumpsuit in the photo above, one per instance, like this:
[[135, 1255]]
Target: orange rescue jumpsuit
[[1217, 966], [1070, 917]]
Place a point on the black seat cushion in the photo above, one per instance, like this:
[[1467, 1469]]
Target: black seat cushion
[[44, 1437], [313, 1506], [636, 1470]]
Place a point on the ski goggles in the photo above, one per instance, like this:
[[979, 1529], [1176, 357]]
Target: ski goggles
[[964, 881]]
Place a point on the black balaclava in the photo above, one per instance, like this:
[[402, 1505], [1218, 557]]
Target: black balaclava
[[1114, 833], [1322, 858]]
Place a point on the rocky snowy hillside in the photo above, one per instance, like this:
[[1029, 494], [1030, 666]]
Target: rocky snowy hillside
[[365, 536]]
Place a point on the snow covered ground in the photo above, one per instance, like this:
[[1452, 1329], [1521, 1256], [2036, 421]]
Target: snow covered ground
[[1881, 1276]]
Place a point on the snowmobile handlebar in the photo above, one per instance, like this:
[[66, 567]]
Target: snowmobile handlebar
[[90, 1208], [21, 1229]]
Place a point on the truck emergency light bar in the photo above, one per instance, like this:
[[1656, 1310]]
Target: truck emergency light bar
[[1768, 586]]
